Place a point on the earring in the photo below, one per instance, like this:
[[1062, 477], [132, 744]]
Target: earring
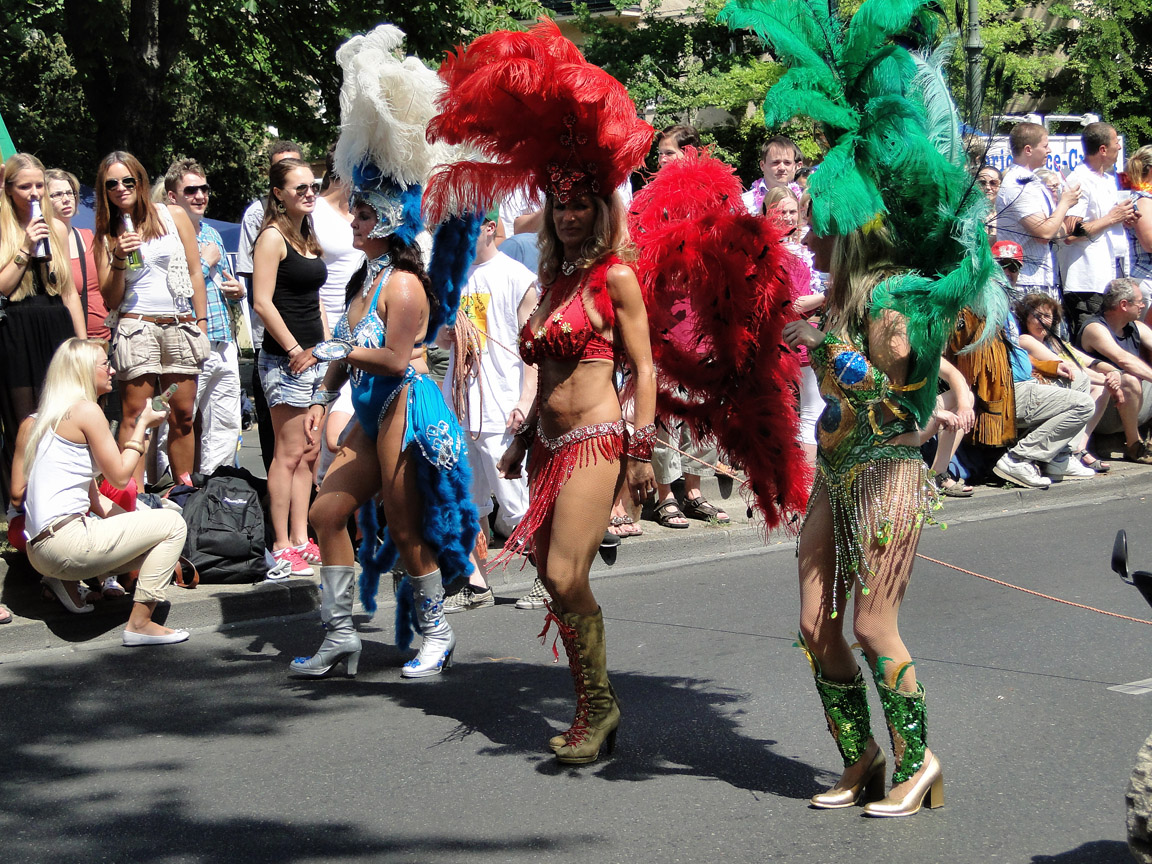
[[280, 208]]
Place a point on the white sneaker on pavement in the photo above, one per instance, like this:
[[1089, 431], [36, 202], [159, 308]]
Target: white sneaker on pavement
[[1068, 467], [1021, 472]]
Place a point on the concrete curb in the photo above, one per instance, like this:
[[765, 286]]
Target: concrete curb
[[39, 623]]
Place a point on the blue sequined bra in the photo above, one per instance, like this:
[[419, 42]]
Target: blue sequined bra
[[369, 332]]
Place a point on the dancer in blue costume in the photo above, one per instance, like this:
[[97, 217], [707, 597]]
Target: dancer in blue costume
[[406, 445]]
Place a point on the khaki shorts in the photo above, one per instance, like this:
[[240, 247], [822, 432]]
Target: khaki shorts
[[142, 348]]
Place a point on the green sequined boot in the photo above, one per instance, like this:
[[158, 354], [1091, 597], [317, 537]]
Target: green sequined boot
[[908, 725], [846, 710]]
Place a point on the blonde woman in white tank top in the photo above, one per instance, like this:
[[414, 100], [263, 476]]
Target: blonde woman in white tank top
[[69, 444]]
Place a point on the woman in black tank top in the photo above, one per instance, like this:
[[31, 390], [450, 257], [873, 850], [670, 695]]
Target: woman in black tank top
[[287, 274]]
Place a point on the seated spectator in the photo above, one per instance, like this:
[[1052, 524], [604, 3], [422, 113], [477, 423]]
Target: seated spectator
[[953, 418], [1038, 316], [67, 446], [1052, 416], [1118, 335]]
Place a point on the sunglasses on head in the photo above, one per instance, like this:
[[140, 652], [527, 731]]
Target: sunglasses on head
[[189, 191], [304, 188], [1010, 264], [127, 182]]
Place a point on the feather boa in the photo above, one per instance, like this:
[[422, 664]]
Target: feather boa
[[453, 249], [450, 526], [537, 112], [715, 285]]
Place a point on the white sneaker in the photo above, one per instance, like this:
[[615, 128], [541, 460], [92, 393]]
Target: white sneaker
[[1068, 468], [1021, 472]]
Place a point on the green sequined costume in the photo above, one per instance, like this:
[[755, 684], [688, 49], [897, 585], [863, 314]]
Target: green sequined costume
[[878, 492]]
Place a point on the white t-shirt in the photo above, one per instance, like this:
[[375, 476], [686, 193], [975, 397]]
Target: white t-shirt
[[1023, 194], [1088, 266], [250, 224], [490, 299], [334, 234]]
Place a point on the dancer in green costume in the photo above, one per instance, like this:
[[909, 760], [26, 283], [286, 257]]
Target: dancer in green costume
[[896, 223]]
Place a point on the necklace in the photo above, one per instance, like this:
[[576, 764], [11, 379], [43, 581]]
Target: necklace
[[569, 267], [374, 268]]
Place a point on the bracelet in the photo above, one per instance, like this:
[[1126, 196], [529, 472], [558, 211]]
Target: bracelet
[[293, 348], [121, 267], [198, 320], [134, 445], [118, 258], [640, 443], [527, 431], [324, 397]]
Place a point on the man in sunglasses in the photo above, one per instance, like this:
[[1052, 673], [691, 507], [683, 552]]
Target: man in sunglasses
[[1118, 335], [1048, 418], [249, 228], [218, 386]]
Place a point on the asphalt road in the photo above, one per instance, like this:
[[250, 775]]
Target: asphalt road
[[208, 752]]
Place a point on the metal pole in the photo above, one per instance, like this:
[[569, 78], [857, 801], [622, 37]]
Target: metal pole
[[974, 47]]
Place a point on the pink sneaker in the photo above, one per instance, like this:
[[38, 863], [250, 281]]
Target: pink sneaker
[[292, 556], [309, 551]]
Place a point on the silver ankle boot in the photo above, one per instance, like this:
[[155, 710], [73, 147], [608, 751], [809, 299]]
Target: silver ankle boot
[[439, 640], [337, 594]]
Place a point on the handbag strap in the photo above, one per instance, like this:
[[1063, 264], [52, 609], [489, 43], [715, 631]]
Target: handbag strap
[[82, 288]]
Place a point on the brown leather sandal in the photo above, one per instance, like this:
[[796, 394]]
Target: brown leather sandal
[[699, 508], [666, 512]]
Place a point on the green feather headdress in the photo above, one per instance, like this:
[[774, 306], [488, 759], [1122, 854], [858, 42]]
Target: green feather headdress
[[877, 87]]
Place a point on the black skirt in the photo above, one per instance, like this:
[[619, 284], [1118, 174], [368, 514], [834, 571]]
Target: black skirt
[[30, 334]]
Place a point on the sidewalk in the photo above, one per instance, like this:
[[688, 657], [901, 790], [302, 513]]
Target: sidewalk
[[38, 623]]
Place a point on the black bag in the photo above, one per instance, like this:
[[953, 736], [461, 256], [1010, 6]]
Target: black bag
[[226, 528]]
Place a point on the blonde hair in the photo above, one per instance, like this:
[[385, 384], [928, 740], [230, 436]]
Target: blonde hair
[[777, 194], [609, 235], [12, 235], [69, 380], [861, 260], [1137, 168]]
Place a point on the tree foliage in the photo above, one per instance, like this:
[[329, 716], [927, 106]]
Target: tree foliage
[[690, 69], [201, 78]]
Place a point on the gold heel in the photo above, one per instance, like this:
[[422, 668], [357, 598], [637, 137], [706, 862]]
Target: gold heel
[[928, 786], [869, 788]]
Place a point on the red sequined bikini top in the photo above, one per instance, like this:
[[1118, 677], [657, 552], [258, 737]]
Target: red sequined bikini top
[[566, 333]]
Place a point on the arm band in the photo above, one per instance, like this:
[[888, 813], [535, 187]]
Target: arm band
[[640, 443]]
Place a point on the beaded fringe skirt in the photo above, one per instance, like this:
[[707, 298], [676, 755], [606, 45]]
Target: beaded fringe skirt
[[873, 503], [550, 464]]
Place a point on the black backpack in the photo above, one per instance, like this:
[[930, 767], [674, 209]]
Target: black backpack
[[226, 528]]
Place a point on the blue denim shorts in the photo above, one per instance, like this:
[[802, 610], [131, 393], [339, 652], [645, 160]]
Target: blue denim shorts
[[282, 387]]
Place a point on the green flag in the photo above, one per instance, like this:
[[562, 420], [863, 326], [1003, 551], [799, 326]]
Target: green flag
[[7, 148]]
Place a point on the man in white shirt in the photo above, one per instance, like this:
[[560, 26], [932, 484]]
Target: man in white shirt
[[1025, 212], [779, 159], [1096, 249], [497, 388]]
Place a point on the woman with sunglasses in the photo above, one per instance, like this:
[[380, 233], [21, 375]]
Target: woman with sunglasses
[[41, 308], [287, 272], [149, 267]]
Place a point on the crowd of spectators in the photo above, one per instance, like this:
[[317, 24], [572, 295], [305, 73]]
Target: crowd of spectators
[[1029, 403]]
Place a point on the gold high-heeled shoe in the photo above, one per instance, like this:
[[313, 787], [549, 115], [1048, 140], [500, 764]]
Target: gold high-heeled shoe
[[929, 787], [870, 787]]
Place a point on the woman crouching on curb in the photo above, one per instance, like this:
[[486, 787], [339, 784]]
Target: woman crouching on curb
[[69, 445]]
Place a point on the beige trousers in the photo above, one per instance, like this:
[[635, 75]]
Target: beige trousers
[[148, 540]]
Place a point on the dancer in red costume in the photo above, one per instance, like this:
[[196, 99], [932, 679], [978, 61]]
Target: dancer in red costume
[[565, 129]]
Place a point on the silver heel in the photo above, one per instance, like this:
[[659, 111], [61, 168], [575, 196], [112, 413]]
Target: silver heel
[[439, 639], [337, 594]]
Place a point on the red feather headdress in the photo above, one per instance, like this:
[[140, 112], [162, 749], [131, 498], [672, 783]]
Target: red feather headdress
[[541, 117], [715, 284]]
